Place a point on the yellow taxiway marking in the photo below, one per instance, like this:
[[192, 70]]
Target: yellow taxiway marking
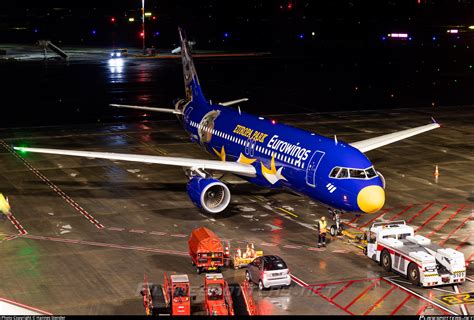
[[163, 152], [260, 198], [289, 212]]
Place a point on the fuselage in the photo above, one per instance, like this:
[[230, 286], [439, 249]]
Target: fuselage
[[327, 170]]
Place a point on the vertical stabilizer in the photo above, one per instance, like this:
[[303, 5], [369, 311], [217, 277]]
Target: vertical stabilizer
[[191, 81]]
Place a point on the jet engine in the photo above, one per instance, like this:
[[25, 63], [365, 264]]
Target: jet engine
[[381, 178], [208, 194]]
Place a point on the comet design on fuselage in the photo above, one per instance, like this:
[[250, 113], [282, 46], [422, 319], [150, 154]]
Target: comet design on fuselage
[[264, 152]]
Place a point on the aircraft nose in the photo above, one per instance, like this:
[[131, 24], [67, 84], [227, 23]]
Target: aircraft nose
[[371, 199]]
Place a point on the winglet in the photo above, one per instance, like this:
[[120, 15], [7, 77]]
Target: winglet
[[434, 121]]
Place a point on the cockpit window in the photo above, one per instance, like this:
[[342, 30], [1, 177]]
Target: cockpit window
[[334, 172], [356, 173], [346, 173], [370, 172]]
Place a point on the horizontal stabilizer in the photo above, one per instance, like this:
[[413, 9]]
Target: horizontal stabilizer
[[164, 110], [229, 103]]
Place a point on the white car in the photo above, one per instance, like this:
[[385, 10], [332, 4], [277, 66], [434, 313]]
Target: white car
[[119, 53], [268, 271]]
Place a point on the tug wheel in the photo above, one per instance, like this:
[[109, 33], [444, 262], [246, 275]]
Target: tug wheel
[[414, 274], [386, 260]]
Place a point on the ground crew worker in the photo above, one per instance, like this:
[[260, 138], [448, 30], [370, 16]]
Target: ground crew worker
[[322, 231], [238, 253], [252, 250]]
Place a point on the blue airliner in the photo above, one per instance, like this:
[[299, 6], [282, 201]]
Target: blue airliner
[[265, 153]]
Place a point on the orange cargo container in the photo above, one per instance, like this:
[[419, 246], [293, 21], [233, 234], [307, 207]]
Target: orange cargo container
[[206, 250]]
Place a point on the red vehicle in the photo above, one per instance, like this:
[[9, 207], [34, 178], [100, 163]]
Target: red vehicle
[[206, 250], [173, 298], [218, 301]]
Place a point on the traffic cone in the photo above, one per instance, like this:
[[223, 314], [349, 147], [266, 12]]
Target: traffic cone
[[436, 173], [226, 250]]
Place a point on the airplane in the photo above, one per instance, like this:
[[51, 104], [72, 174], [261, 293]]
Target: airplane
[[263, 152]]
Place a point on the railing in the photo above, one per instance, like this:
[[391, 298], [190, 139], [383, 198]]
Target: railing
[[228, 299], [247, 294]]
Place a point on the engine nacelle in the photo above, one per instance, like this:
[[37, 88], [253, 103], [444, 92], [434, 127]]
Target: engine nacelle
[[381, 178], [209, 194]]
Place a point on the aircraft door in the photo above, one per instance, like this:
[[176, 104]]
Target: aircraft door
[[312, 167], [187, 113]]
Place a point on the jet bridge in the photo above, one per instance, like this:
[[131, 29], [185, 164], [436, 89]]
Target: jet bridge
[[46, 44]]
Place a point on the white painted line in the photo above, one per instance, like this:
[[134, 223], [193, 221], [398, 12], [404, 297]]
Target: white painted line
[[442, 290], [299, 282], [421, 297], [10, 307], [116, 229], [137, 231], [158, 233], [316, 249], [266, 244], [290, 246], [463, 306]]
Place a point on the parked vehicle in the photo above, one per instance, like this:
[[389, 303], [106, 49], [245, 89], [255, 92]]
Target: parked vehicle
[[268, 271], [395, 246], [218, 301], [206, 250], [172, 298], [119, 53]]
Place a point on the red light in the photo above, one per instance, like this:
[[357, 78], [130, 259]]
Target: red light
[[154, 18], [273, 122], [290, 6], [142, 34], [112, 19]]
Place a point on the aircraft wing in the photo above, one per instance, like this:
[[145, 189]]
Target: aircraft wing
[[377, 142], [165, 110], [232, 167]]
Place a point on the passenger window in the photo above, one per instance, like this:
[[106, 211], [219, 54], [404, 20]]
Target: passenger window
[[359, 174], [334, 172], [344, 173], [390, 236], [370, 173]]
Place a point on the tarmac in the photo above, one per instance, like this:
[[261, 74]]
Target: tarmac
[[83, 232]]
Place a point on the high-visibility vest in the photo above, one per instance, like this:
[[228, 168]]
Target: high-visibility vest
[[322, 225]]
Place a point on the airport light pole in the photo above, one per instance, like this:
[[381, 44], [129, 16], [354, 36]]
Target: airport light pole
[[143, 26]]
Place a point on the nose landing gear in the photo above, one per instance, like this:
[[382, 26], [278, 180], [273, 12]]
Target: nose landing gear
[[335, 229]]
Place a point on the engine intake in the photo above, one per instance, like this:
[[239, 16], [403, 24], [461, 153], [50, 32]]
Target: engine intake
[[208, 194]]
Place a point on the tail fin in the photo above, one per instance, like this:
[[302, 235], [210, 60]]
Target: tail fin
[[191, 81]]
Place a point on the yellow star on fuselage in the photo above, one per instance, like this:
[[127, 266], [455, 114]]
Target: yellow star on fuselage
[[272, 175], [220, 154], [243, 159]]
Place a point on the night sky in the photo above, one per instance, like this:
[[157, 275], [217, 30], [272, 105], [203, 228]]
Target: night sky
[[277, 25]]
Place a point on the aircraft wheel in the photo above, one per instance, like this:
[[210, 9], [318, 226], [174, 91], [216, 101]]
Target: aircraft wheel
[[333, 231]]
